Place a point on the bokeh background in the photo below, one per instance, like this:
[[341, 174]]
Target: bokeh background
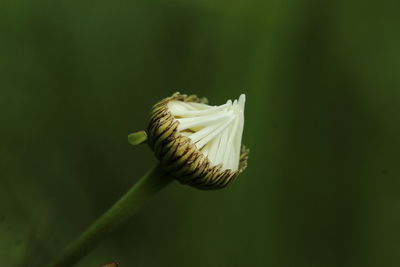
[[322, 80]]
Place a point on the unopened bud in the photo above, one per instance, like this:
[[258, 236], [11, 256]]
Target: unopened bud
[[199, 144]]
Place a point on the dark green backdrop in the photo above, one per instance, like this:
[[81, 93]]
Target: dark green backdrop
[[322, 80]]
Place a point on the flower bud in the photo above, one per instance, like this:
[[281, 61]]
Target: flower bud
[[197, 143]]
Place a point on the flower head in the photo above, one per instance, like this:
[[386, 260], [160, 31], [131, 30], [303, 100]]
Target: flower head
[[197, 143]]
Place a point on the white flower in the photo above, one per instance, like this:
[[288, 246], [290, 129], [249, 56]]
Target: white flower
[[199, 144], [215, 130]]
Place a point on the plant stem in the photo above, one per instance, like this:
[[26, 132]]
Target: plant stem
[[151, 183]]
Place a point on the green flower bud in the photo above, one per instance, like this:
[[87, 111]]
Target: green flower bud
[[197, 143]]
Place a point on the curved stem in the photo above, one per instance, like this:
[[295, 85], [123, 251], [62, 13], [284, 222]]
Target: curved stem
[[151, 183]]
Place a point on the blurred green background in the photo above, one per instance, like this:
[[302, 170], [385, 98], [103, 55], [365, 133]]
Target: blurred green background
[[322, 80]]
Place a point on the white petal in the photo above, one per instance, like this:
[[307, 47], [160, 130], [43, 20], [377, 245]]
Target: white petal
[[215, 130]]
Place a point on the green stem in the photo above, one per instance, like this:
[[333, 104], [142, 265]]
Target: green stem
[[151, 183]]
